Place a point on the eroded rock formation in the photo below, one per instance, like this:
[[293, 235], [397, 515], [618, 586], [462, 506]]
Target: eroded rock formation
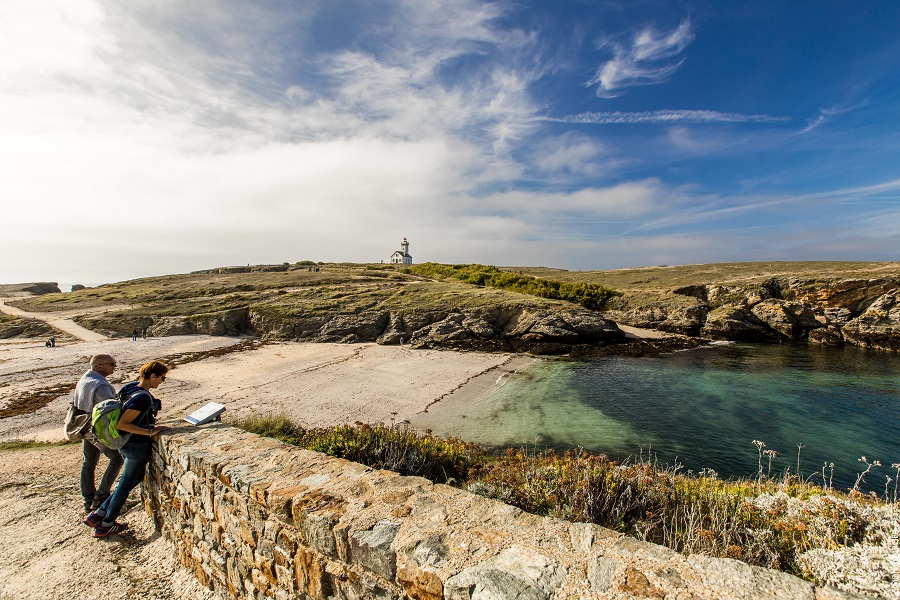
[[862, 312], [499, 328]]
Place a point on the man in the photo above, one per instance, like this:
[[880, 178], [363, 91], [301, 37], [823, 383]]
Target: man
[[91, 389]]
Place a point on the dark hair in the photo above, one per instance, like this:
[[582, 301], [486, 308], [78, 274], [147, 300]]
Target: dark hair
[[154, 367]]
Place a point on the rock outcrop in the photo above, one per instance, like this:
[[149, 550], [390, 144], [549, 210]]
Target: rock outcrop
[[862, 312], [38, 289], [878, 326], [500, 328]]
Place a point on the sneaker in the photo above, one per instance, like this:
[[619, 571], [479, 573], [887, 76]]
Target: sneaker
[[102, 532], [93, 520]]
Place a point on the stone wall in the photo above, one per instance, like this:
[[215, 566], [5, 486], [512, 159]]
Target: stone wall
[[255, 518]]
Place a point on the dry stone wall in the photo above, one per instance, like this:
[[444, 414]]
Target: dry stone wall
[[255, 518]]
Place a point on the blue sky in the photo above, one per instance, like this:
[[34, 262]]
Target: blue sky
[[163, 136]]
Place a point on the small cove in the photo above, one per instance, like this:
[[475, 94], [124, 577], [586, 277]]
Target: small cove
[[702, 407]]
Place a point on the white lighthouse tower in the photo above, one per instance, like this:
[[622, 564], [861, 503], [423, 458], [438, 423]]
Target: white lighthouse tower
[[402, 256]]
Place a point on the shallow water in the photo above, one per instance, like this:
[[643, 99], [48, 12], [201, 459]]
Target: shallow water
[[703, 408]]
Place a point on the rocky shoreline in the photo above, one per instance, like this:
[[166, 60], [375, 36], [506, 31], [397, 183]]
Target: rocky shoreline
[[860, 312]]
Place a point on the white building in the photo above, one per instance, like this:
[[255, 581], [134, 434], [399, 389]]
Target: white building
[[401, 256]]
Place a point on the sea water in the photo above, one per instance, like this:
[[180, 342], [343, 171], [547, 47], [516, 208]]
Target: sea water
[[703, 409]]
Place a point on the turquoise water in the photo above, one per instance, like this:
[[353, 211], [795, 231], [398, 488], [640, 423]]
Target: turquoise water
[[704, 408]]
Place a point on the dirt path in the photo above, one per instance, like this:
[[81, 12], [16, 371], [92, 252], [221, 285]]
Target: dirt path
[[48, 554], [56, 320]]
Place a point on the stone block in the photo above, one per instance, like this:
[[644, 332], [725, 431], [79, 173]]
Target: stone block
[[310, 575], [637, 584], [286, 540], [830, 593], [267, 567], [735, 579], [419, 583], [279, 500], [602, 573], [583, 536], [259, 580], [271, 529], [426, 510], [281, 557], [266, 549], [514, 573], [247, 534], [371, 549]]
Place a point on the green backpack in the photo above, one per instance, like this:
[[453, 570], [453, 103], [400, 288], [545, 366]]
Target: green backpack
[[105, 419]]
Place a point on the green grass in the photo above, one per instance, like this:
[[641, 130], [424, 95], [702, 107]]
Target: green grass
[[29, 445], [396, 448], [767, 522], [589, 295]]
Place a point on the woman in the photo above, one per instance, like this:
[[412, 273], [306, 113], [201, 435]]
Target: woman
[[139, 419]]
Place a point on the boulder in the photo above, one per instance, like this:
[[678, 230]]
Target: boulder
[[853, 294], [793, 320], [878, 326], [514, 573], [827, 336], [39, 289], [363, 327], [737, 324]]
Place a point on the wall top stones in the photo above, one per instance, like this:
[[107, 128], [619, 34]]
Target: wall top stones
[[255, 518]]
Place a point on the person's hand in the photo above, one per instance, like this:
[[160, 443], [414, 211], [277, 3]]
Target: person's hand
[[159, 429]]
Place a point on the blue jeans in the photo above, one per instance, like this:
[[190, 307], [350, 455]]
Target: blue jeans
[[92, 452], [136, 458]]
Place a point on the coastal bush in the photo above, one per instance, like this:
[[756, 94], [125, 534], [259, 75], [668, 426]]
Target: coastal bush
[[589, 295], [783, 522], [394, 447]]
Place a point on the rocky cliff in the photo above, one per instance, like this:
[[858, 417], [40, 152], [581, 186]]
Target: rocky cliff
[[540, 331], [862, 312]]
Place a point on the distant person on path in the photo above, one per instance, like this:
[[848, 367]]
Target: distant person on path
[[133, 335], [139, 419], [91, 389], [53, 342]]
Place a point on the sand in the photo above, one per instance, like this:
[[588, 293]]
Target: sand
[[313, 384]]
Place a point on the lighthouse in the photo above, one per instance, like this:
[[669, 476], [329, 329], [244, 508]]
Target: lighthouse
[[402, 256]]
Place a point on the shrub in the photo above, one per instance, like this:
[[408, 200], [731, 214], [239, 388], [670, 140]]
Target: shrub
[[589, 295]]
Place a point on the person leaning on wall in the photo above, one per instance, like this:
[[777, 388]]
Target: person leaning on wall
[[138, 419], [93, 388]]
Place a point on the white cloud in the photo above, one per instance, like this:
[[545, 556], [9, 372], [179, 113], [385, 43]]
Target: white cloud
[[664, 116], [825, 115], [643, 61], [573, 154]]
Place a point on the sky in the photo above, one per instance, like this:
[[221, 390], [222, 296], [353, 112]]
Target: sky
[[160, 136]]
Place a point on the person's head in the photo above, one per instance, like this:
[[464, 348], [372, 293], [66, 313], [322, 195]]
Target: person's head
[[103, 364], [152, 374]]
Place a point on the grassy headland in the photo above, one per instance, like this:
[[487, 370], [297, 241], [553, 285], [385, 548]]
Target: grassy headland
[[335, 288], [349, 288]]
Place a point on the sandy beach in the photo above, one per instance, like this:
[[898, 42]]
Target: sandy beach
[[313, 384]]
